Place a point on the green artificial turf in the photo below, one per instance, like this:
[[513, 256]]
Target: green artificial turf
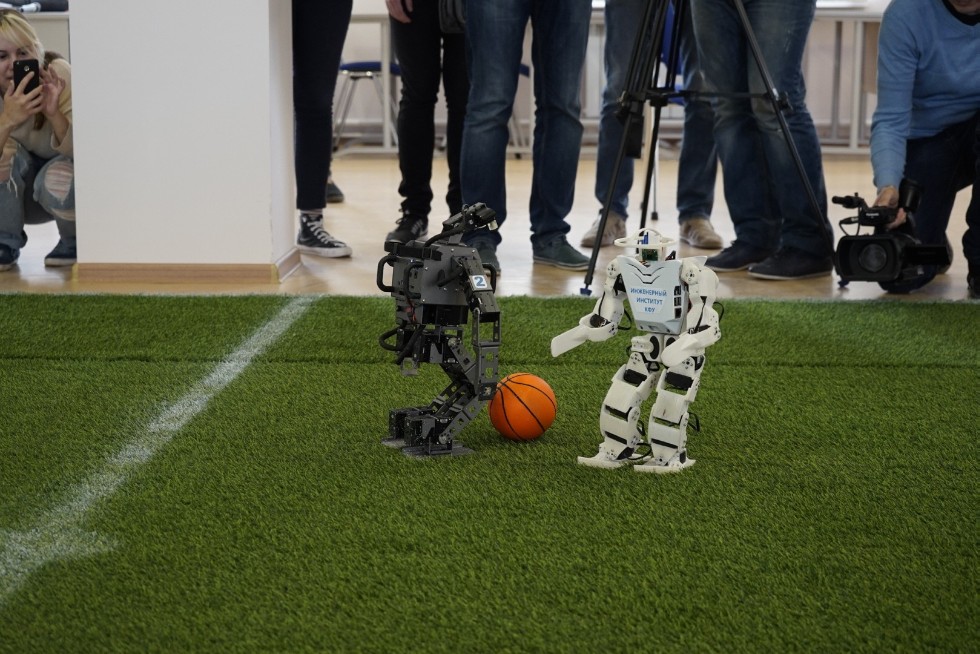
[[833, 506]]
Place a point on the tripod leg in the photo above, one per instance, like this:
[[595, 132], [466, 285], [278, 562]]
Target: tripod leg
[[640, 88]]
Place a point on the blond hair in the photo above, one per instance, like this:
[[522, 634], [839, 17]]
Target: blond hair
[[15, 28]]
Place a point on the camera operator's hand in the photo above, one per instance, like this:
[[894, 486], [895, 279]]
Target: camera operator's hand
[[888, 197]]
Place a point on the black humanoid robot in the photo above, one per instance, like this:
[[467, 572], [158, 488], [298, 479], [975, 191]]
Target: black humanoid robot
[[437, 284]]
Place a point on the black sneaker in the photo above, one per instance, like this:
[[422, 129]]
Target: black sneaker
[[313, 239], [409, 228], [560, 254], [334, 194], [790, 263], [61, 255], [736, 256], [488, 255], [8, 256]]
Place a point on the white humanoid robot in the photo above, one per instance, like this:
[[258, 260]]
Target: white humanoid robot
[[671, 300]]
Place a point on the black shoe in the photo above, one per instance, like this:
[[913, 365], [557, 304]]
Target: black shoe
[[334, 194], [973, 283], [61, 255], [313, 239], [488, 255], [409, 228], [8, 256], [736, 256], [790, 263]]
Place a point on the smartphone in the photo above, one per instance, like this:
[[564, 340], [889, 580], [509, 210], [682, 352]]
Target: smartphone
[[21, 68]]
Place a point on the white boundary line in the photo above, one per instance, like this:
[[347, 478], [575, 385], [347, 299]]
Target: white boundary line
[[58, 533]]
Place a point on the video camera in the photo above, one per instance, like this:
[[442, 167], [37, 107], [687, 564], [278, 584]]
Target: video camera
[[886, 255]]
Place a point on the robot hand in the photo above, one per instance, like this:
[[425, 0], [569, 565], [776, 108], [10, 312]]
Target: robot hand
[[592, 327]]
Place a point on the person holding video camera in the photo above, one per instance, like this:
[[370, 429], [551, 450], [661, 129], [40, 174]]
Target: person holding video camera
[[37, 170], [925, 126]]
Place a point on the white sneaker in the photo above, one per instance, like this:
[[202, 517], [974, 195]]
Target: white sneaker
[[615, 228]]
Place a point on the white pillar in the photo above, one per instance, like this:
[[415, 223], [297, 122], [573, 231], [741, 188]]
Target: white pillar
[[183, 140]]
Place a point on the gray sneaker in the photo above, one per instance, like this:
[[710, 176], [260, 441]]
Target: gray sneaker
[[615, 228], [699, 233], [560, 254]]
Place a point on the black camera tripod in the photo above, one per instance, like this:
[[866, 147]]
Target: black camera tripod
[[642, 88]]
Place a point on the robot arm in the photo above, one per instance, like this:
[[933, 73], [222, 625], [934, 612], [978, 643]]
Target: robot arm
[[701, 326], [600, 325]]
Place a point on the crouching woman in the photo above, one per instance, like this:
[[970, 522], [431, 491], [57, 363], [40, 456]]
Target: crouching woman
[[37, 170]]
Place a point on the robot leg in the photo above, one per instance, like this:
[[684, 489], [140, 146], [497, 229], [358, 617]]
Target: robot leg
[[667, 429], [620, 412]]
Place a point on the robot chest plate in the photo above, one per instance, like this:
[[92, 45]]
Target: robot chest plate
[[656, 295]]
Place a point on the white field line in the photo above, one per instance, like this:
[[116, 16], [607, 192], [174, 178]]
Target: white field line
[[58, 533]]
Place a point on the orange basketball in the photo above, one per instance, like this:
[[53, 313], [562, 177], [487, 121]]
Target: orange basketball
[[523, 407]]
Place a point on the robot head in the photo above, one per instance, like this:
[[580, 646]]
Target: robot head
[[650, 245]]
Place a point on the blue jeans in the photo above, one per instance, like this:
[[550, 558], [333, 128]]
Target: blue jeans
[[495, 37], [767, 200], [943, 165], [37, 191], [698, 160]]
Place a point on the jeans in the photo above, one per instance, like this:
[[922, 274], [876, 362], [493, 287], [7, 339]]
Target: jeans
[[697, 167], [319, 32], [37, 191], [426, 54], [943, 165], [766, 197], [495, 34], [698, 160]]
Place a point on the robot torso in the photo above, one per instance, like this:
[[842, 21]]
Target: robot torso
[[656, 294]]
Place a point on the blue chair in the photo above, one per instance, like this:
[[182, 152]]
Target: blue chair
[[354, 72]]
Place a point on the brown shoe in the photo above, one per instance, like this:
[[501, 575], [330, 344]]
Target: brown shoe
[[615, 228], [699, 233]]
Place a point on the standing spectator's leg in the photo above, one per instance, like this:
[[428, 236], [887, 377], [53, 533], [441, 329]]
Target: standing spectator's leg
[[418, 46], [561, 31], [623, 19], [781, 28], [495, 33], [725, 58], [319, 31], [456, 87], [698, 163]]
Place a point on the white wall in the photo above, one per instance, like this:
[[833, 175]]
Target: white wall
[[183, 130]]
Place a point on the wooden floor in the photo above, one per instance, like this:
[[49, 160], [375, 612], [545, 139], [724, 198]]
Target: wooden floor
[[371, 182]]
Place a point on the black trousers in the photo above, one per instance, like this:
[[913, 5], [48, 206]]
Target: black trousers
[[319, 32], [426, 56], [943, 165]]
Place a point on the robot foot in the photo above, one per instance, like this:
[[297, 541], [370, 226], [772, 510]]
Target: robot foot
[[675, 463], [603, 460]]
